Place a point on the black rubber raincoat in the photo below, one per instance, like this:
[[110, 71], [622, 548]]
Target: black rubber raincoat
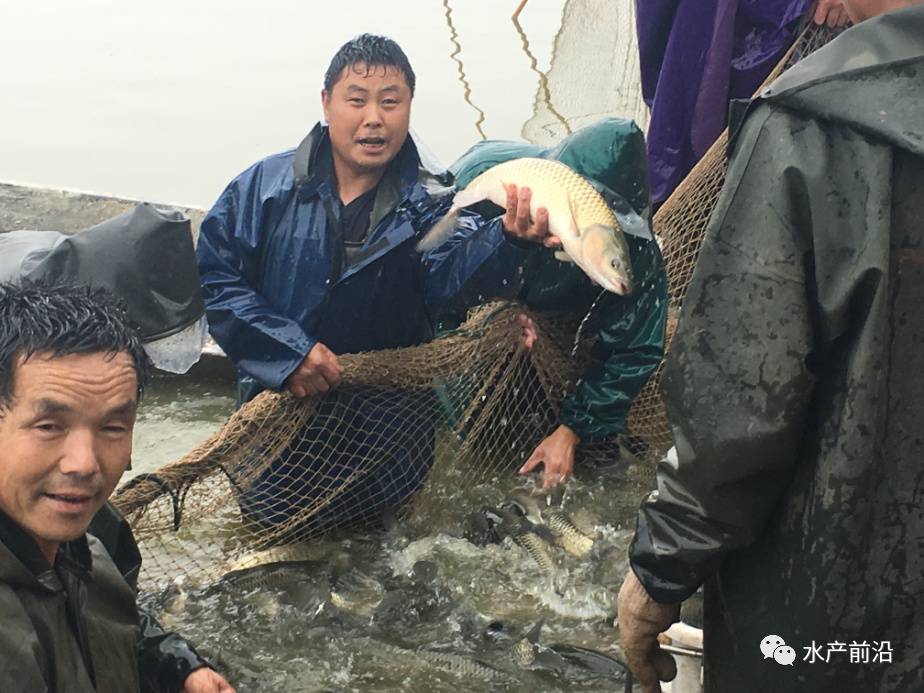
[[76, 627], [796, 385]]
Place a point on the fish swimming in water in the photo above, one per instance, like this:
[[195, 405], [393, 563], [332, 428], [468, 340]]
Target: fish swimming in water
[[530, 653], [578, 215], [285, 553], [415, 598], [566, 534], [457, 665], [280, 574], [531, 538]]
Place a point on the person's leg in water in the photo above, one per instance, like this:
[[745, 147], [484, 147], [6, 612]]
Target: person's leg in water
[[363, 452]]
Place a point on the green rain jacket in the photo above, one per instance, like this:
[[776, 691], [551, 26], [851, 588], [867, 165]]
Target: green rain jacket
[[795, 385], [630, 329], [76, 628]]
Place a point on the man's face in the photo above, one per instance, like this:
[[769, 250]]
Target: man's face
[[65, 440], [369, 115]]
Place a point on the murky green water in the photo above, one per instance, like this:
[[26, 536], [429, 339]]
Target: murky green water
[[176, 414], [368, 610]]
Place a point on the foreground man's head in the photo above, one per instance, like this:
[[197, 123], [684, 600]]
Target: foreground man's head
[[367, 96], [71, 373]]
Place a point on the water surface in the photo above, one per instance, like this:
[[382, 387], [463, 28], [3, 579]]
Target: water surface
[[169, 100]]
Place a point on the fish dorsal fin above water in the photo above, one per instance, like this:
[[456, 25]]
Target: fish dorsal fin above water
[[533, 635], [468, 197]]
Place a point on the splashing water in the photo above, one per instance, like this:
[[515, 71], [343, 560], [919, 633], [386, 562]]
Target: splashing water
[[580, 329]]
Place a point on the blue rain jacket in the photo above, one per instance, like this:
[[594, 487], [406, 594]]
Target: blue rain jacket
[[273, 275], [275, 283]]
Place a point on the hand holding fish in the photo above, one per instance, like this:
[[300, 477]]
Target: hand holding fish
[[318, 372], [518, 222], [573, 215], [556, 454]]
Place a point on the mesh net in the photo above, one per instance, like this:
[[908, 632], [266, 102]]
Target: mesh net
[[282, 470]]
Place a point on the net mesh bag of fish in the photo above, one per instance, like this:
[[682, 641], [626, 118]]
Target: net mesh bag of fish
[[470, 405]]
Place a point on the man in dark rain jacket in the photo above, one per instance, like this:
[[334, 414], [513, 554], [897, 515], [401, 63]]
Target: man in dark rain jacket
[[71, 372], [311, 253], [796, 388], [629, 329]]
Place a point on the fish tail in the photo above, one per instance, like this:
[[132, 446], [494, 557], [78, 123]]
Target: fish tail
[[440, 232]]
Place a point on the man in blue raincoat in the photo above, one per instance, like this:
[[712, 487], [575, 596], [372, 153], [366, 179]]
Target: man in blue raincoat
[[311, 253]]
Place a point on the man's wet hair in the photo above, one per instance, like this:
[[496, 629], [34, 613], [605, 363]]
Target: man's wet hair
[[372, 51], [63, 320]]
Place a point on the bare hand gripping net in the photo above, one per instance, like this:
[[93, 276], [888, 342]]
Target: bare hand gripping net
[[475, 403]]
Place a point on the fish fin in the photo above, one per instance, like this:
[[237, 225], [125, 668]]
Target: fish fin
[[562, 256], [533, 635], [469, 197], [446, 226], [555, 496], [440, 232], [574, 227]]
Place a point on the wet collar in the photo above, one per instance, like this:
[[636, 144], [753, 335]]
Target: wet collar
[[74, 556], [312, 165]]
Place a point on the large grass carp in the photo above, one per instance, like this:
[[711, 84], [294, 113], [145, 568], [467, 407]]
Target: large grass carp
[[561, 658], [589, 231], [454, 664]]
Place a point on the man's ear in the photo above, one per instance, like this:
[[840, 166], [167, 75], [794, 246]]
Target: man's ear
[[325, 103]]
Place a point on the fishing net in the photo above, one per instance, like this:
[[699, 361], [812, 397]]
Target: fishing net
[[283, 470], [472, 404]]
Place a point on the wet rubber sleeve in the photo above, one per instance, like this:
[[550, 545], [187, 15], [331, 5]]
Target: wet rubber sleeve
[[737, 383], [164, 659], [630, 346], [257, 339]]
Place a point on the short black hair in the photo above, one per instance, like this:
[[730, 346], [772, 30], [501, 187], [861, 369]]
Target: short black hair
[[63, 320], [371, 50]]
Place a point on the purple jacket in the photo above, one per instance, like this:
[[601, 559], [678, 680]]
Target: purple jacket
[[697, 55]]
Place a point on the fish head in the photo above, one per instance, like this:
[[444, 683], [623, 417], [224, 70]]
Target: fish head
[[605, 258]]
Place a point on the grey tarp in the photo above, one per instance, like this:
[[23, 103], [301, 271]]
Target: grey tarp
[[145, 257], [795, 385]]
